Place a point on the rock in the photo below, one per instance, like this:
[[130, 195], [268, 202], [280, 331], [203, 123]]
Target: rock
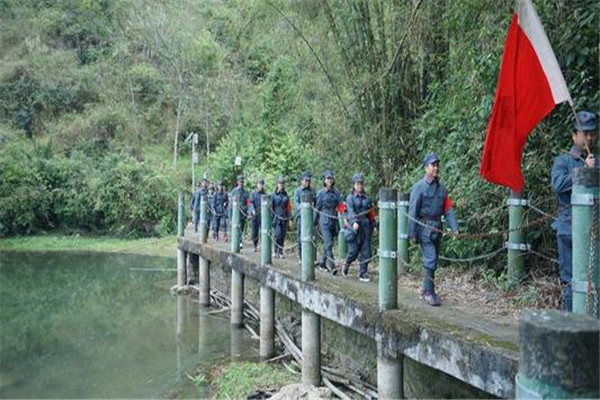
[[300, 391]]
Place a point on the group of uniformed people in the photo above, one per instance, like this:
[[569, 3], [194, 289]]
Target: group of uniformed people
[[429, 201]]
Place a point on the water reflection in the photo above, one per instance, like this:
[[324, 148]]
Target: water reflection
[[90, 325]]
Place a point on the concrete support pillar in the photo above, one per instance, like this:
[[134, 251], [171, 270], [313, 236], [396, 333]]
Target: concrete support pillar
[[390, 379], [237, 298], [585, 199], [204, 282], [558, 356], [311, 348], [388, 273], [204, 222], [267, 322], [403, 204], [181, 267], [516, 237]]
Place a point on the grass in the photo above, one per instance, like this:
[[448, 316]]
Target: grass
[[238, 380], [149, 246]]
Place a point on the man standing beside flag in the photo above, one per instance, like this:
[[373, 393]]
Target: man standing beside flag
[[530, 85], [584, 138]]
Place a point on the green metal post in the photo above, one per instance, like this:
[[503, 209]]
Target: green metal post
[[180, 215], [558, 356], [265, 229], [342, 244], [403, 203], [584, 202], [236, 225], [306, 237], [388, 276], [203, 219], [516, 237]]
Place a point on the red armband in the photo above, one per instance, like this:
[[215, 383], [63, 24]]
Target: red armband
[[371, 214], [247, 202], [447, 204], [289, 208], [342, 207]]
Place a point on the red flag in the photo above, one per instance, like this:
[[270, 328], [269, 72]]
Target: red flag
[[529, 87]]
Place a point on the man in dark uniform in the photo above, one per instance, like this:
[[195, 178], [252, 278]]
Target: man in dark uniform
[[243, 203], [429, 200], [584, 139], [361, 225], [195, 203], [209, 198], [282, 215], [328, 203], [255, 199], [219, 210], [300, 190]]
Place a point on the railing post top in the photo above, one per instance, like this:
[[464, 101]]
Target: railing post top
[[307, 197], [517, 195], [586, 177], [560, 348], [387, 194], [403, 196]]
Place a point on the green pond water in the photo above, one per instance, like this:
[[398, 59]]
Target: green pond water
[[94, 325]]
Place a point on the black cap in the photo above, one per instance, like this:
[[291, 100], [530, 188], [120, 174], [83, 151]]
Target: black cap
[[430, 159], [357, 178]]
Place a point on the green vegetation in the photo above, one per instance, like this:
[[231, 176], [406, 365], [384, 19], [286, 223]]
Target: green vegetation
[[97, 99], [148, 246], [238, 380]]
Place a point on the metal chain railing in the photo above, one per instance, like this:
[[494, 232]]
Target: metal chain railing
[[471, 259], [550, 259], [544, 217], [592, 290]]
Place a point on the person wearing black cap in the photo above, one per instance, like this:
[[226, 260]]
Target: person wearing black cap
[[281, 207], [429, 200], [243, 203], [195, 203], [255, 199], [300, 190], [209, 198], [584, 139], [361, 224], [219, 211], [329, 201]]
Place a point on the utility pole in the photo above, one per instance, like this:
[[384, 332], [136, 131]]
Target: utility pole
[[194, 138]]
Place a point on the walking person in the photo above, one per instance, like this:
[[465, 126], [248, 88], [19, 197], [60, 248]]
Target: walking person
[[255, 200], [281, 206], [219, 211], [329, 201], [429, 200], [361, 225]]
